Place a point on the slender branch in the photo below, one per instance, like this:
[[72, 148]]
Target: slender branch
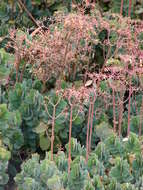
[[91, 125], [87, 133], [61, 113], [22, 72], [46, 108], [120, 114], [114, 109], [129, 108], [29, 14], [121, 8], [141, 116], [53, 127], [70, 131], [130, 6], [76, 115], [53, 117]]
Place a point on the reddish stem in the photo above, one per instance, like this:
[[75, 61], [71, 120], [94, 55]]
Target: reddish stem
[[121, 8], [70, 131], [22, 72], [87, 133], [120, 115], [87, 2], [53, 129], [129, 109], [91, 125], [130, 6], [141, 114], [114, 109]]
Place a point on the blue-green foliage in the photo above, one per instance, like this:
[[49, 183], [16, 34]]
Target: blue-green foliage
[[93, 174], [4, 158], [10, 130], [39, 175], [113, 164], [29, 103]]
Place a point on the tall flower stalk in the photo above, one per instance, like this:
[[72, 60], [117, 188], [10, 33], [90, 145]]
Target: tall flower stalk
[[129, 107], [91, 123], [70, 133], [130, 7], [141, 118], [121, 8], [114, 109], [53, 117], [87, 133]]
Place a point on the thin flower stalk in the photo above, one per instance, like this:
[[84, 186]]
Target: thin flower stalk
[[70, 133], [114, 109], [87, 133], [129, 108], [91, 124], [121, 8], [141, 117], [121, 109], [130, 6], [53, 118]]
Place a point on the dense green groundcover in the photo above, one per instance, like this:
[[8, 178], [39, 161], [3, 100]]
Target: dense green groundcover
[[71, 101]]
